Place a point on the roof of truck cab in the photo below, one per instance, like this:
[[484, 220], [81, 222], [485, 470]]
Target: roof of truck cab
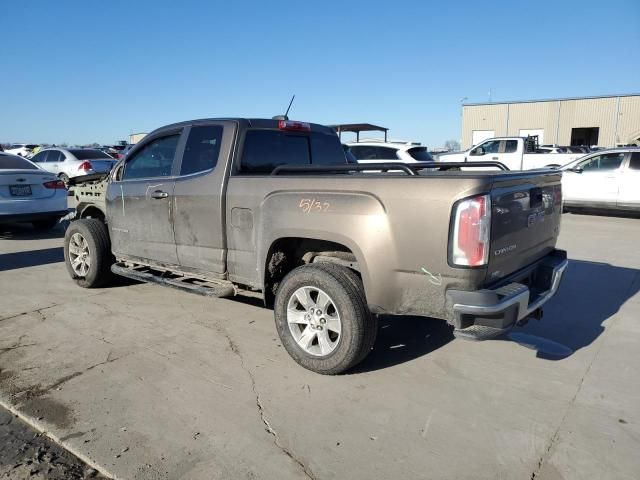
[[245, 122]]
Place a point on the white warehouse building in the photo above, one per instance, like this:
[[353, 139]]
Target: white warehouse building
[[605, 121]]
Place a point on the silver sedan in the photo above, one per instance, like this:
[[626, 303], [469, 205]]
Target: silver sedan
[[69, 163]]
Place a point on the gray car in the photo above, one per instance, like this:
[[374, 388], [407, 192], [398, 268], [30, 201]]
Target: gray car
[[69, 163]]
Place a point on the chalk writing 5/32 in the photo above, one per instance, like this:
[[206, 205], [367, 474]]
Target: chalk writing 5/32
[[311, 205]]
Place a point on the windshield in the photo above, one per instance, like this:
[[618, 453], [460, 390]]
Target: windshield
[[11, 162], [89, 154]]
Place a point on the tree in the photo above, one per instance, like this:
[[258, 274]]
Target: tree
[[452, 145]]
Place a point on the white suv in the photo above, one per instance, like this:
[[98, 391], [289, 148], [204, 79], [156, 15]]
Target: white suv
[[373, 152]]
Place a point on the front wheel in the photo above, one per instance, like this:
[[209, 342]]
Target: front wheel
[[322, 318], [87, 253]]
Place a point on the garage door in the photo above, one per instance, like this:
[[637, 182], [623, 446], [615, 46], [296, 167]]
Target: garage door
[[532, 132], [480, 135]]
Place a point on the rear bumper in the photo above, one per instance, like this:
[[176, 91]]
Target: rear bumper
[[500, 308], [32, 217]]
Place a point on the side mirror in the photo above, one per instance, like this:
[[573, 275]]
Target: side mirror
[[478, 151], [576, 170]]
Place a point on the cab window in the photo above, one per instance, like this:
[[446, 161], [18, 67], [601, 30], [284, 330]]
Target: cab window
[[202, 149], [510, 146], [264, 150], [599, 163], [153, 160]]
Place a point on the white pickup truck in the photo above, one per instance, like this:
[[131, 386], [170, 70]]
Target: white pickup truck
[[517, 153]]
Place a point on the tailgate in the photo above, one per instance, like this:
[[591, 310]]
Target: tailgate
[[525, 220]]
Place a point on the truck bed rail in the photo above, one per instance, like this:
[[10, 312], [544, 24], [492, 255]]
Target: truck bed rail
[[408, 168]]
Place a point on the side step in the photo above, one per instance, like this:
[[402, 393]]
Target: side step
[[206, 288], [479, 332]]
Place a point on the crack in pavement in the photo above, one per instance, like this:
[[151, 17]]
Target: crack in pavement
[[267, 426], [40, 311], [17, 345], [556, 434], [35, 391]]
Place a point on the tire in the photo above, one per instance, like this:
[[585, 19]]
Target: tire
[[45, 225], [356, 281], [346, 302], [98, 249]]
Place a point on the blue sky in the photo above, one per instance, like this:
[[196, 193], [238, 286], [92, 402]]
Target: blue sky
[[84, 71]]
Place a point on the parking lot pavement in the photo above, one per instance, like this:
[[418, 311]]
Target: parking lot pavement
[[147, 382], [25, 453]]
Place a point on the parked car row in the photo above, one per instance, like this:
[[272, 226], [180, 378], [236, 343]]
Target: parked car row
[[29, 194], [69, 163]]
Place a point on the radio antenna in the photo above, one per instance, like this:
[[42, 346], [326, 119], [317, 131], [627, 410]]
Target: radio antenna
[[289, 107]]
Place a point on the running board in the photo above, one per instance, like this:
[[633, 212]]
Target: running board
[[479, 332], [206, 288]]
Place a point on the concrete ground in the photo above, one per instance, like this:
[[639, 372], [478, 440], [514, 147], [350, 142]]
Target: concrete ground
[[145, 382], [25, 453]]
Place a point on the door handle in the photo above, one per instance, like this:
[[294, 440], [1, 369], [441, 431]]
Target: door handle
[[494, 158], [159, 194]]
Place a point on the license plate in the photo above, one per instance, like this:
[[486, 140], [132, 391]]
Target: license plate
[[20, 190]]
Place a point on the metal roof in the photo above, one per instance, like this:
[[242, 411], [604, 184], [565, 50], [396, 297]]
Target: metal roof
[[550, 99], [357, 127]]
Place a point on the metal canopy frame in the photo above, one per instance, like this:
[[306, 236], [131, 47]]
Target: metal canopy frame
[[357, 128]]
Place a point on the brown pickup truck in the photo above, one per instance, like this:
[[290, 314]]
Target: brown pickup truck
[[221, 205]]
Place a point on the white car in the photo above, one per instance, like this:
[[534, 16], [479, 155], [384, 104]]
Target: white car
[[29, 194], [374, 152], [607, 179], [21, 149], [69, 163]]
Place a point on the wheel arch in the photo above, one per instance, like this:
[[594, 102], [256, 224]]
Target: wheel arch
[[288, 252]]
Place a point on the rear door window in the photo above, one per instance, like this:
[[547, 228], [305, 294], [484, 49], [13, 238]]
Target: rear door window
[[364, 152], [202, 150], [54, 156], [634, 161], [264, 150], [386, 153], [154, 160]]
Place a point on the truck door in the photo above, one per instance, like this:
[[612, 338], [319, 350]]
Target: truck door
[[139, 201], [595, 179], [629, 191], [510, 154], [199, 197]]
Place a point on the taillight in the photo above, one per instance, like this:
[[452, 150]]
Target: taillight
[[86, 165], [471, 232], [54, 184], [294, 126]]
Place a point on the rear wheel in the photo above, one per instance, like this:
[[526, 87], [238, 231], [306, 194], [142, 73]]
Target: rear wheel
[[87, 253], [44, 225], [322, 318]]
